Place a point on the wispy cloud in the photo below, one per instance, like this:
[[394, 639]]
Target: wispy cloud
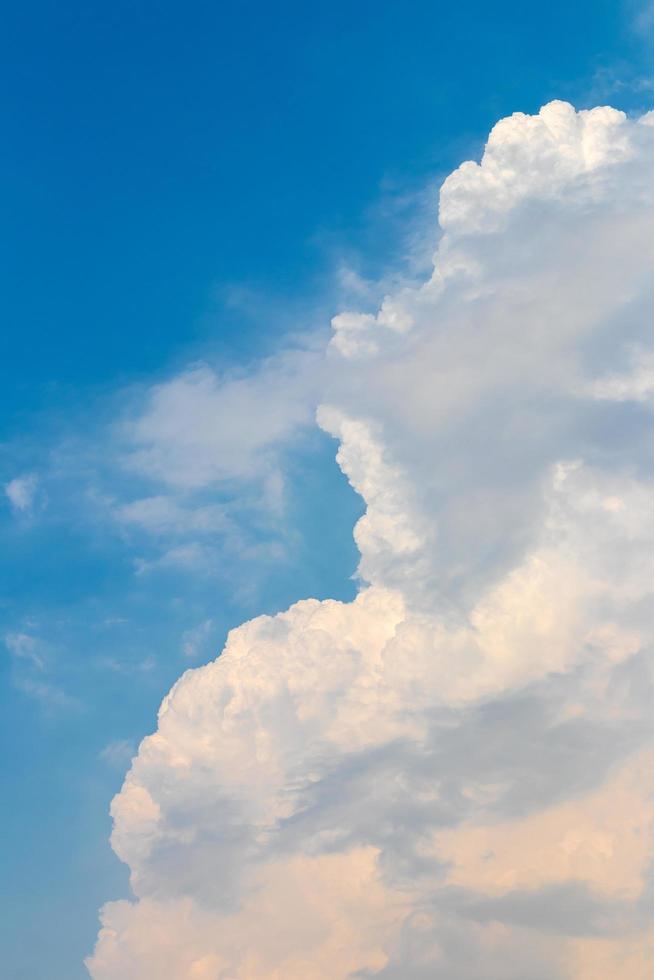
[[118, 754], [201, 429], [34, 673], [641, 15], [21, 492], [195, 641], [25, 647]]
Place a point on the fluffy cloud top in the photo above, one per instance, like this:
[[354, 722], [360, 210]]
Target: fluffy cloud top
[[452, 775]]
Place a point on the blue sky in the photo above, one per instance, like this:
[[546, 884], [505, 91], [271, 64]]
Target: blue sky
[[200, 183]]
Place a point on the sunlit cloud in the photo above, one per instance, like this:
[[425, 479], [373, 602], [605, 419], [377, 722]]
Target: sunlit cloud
[[450, 775]]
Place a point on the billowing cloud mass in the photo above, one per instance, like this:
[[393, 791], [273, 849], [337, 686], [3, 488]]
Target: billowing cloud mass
[[453, 775]]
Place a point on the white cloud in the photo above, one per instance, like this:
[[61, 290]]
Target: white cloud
[[634, 385], [537, 158], [24, 646], [641, 16], [201, 429], [32, 669], [50, 696], [118, 753], [163, 515], [449, 776], [142, 666], [192, 557], [21, 492], [205, 452], [195, 640]]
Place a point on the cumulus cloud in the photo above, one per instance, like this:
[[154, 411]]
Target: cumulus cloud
[[451, 775]]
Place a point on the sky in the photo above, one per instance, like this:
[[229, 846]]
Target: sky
[[220, 220]]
